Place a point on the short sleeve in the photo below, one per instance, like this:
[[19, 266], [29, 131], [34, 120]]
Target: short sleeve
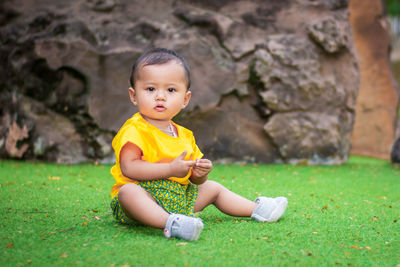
[[197, 154], [125, 135]]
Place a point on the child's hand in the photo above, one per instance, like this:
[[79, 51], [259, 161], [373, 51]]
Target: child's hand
[[180, 167], [200, 171]]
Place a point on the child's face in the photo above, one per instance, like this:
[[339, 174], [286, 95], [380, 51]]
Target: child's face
[[160, 91]]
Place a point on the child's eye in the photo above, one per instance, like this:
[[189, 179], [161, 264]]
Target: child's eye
[[151, 89], [171, 90]]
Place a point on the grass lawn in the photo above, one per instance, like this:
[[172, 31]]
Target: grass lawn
[[348, 215]]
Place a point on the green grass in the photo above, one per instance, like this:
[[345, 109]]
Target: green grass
[[54, 215]]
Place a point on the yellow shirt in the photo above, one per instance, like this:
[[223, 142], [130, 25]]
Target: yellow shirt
[[156, 146]]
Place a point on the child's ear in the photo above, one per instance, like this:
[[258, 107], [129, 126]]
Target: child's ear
[[187, 99], [132, 95]]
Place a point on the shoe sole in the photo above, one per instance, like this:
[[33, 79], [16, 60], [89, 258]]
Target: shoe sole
[[278, 211]]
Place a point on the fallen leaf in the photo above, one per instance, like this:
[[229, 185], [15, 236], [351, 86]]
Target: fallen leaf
[[97, 217], [84, 224], [324, 208], [64, 255], [54, 178], [10, 245], [181, 244], [66, 230]]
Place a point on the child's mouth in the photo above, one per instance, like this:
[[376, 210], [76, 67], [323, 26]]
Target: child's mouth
[[160, 108]]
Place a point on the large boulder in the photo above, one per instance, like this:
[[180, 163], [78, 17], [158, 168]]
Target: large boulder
[[395, 62], [272, 81], [377, 103]]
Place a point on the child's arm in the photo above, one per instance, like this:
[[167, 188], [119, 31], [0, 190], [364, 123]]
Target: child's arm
[[132, 165], [200, 171]]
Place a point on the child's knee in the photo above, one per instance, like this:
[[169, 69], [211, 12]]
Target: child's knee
[[211, 186], [128, 190], [215, 184]]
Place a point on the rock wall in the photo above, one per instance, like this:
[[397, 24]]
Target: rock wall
[[377, 103], [272, 81], [395, 66]]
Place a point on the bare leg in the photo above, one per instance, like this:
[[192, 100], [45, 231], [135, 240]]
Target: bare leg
[[226, 201], [139, 205]]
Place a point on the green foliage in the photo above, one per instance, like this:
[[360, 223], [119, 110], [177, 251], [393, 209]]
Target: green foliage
[[393, 7], [348, 215]]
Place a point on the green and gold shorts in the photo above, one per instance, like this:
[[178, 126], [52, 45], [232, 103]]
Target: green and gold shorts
[[170, 195]]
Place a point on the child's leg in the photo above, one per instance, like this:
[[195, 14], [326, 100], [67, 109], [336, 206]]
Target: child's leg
[[139, 205], [225, 200]]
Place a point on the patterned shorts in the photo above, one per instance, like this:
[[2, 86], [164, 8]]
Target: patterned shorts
[[171, 196]]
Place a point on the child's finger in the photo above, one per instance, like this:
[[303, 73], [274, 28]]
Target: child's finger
[[183, 155], [203, 163], [190, 163], [204, 160]]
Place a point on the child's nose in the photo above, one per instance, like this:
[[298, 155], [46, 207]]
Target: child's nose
[[160, 95]]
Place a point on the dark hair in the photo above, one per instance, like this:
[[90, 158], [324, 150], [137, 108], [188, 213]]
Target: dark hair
[[157, 56]]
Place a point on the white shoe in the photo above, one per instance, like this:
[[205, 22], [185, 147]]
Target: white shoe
[[182, 226], [269, 209]]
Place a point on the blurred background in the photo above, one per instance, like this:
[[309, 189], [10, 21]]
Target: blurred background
[[294, 81]]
